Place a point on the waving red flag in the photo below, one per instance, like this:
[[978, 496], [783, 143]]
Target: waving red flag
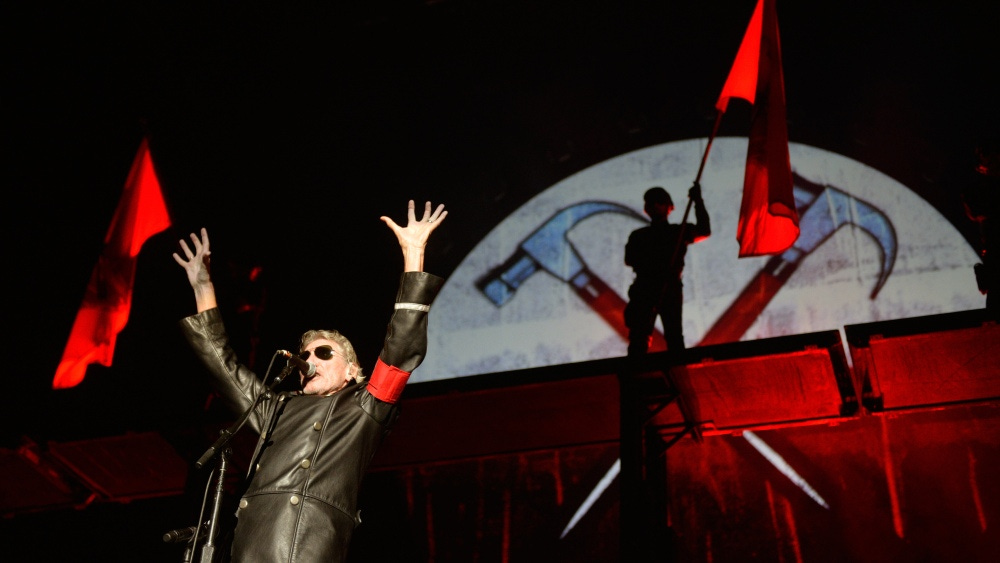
[[768, 223], [141, 213]]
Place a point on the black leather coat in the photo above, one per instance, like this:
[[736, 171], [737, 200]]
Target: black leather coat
[[301, 501]]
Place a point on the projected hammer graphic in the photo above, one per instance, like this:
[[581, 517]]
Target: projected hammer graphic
[[823, 211], [548, 248]]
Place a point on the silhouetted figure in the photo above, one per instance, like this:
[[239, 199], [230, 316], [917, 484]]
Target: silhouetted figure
[[656, 255], [982, 205]]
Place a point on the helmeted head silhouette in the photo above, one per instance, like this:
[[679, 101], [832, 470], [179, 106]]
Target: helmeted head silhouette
[[657, 196]]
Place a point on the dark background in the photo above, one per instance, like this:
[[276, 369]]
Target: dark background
[[287, 129]]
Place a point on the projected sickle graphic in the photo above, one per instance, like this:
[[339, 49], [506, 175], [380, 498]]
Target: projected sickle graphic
[[548, 248], [822, 211]]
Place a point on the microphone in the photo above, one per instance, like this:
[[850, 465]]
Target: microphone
[[308, 369], [184, 534]]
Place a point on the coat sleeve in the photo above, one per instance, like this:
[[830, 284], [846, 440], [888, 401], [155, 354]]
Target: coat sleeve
[[702, 229], [406, 336], [237, 384]]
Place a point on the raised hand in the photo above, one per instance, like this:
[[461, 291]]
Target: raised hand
[[413, 237], [197, 265]]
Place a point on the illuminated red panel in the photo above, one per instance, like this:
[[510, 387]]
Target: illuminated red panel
[[753, 391], [124, 468], [927, 361], [31, 484], [524, 417], [757, 383]]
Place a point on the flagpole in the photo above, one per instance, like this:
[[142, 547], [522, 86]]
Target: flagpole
[[704, 157], [701, 168]]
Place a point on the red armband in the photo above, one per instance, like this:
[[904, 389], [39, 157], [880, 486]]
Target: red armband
[[386, 382]]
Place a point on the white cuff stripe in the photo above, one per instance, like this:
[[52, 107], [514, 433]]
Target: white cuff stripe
[[413, 307]]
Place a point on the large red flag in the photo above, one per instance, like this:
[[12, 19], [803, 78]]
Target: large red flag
[[141, 213], [768, 223]]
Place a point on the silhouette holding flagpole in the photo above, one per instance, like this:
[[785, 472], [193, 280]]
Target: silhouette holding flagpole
[[768, 220]]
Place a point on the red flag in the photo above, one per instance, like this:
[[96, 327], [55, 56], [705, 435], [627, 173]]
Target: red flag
[[768, 223], [141, 213]]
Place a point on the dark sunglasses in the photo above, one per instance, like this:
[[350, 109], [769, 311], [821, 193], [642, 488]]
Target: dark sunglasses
[[322, 352]]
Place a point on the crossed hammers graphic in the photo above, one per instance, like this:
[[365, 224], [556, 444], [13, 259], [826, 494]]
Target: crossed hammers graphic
[[823, 210]]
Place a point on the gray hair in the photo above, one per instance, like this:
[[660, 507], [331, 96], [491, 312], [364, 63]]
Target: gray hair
[[350, 355]]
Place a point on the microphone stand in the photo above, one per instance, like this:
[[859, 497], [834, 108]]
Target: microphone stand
[[222, 445], [208, 550]]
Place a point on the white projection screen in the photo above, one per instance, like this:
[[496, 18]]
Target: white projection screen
[[881, 236]]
